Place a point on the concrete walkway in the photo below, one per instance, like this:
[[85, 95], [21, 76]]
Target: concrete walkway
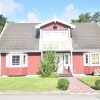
[[78, 87]]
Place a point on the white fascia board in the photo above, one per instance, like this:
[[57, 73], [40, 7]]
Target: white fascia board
[[55, 20], [3, 29]]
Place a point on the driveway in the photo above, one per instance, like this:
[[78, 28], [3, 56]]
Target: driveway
[[50, 97]]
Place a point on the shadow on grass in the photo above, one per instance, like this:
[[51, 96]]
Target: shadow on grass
[[93, 87]]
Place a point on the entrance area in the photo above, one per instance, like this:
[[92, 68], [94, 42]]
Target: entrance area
[[63, 62]]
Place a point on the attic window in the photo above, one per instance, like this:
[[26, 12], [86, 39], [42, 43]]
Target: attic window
[[55, 27]]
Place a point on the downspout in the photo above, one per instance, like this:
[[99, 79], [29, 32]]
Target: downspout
[[71, 62]]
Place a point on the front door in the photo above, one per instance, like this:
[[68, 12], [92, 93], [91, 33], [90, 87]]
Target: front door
[[67, 61], [60, 63], [63, 62]]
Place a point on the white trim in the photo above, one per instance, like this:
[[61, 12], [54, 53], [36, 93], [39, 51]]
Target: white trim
[[84, 59], [0, 64], [69, 62], [91, 59], [79, 75], [3, 29], [9, 60], [40, 40], [55, 20]]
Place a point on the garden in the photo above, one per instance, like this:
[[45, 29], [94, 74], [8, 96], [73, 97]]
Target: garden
[[93, 82], [49, 79]]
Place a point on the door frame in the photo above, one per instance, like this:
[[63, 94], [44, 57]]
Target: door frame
[[62, 62], [0, 64], [69, 58]]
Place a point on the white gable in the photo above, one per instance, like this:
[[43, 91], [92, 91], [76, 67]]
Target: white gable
[[55, 20]]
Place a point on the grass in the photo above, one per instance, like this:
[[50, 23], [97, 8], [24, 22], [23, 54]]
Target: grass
[[90, 81], [28, 83]]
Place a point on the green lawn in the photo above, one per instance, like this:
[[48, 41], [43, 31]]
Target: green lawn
[[28, 83], [90, 81]]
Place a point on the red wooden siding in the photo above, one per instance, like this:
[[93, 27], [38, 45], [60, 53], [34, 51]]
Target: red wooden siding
[[78, 65], [49, 27], [32, 69]]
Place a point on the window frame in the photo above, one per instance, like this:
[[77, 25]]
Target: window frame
[[90, 59], [68, 59], [84, 57], [21, 65]]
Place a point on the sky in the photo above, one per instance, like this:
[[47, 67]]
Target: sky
[[43, 10]]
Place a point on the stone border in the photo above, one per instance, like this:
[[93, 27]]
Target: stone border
[[14, 92]]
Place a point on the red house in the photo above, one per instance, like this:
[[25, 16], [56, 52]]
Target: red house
[[23, 44]]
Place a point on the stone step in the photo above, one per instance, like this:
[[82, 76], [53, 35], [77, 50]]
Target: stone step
[[68, 74]]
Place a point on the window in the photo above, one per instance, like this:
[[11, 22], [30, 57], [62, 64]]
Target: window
[[95, 59], [86, 59], [16, 60], [67, 59], [91, 59]]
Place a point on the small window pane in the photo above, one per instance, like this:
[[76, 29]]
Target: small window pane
[[24, 59], [66, 59], [95, 58], [86, 59], [16, 60]]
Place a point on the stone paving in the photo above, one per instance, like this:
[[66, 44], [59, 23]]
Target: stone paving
[[78, 87]]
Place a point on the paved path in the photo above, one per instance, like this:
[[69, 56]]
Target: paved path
[[50, 97], [78, 87]]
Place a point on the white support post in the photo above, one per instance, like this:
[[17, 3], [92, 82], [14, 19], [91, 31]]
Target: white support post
[[41, 54], [71, 62], [0, 64]]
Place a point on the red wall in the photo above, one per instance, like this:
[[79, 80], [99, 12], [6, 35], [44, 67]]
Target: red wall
[[49, 27], [32, 69], [78, 65]]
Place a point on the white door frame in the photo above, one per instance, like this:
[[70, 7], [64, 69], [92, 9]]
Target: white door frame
[[69, 62], [0, 64], [60, 65]]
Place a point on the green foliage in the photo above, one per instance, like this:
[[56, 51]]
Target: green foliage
[[96, 17], [86, 17], [83, 18], [48, 64], [63, 84], [2, 22], [97, 84], [54, 75]]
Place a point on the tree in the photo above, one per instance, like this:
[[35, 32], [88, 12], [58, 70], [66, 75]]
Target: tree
[[96, 17], [48, 64], [83, 18], [2, 22]]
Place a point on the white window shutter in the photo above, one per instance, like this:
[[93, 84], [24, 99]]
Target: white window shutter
[[7, 60]]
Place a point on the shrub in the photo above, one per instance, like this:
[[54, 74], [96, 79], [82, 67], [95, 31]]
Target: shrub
[[96, 72], [63, 84], [97, 84], [48, 64], [54, 75]]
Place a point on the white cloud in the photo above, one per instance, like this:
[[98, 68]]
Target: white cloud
[[70, 12], [31, 17], [8, 7]]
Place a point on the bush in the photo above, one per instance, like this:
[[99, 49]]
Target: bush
[[48, 64], [96, 72], [54, 75], [97, 84], [63, 84]]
